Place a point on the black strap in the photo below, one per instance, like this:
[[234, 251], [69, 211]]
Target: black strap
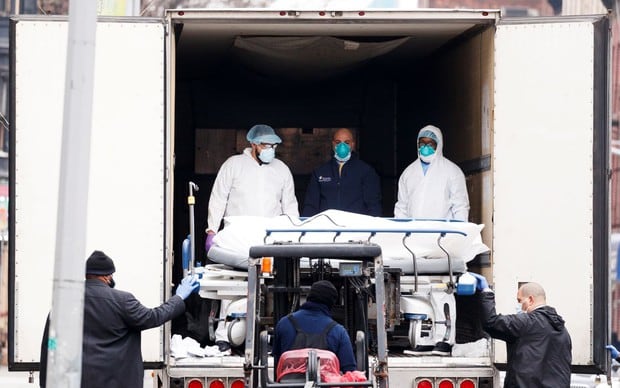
[[329, 327], [298, 330], [294, 323]]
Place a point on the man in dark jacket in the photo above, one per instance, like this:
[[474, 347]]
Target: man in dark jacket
[[312, 326], [537, 343], [344, 183], [113, 322]]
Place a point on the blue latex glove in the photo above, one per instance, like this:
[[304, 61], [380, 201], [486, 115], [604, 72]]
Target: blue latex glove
[[209, 241], [613, 351], [481, 281], [188, 285]]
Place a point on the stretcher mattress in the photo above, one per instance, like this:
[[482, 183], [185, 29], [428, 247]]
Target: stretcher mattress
[[461, 240]]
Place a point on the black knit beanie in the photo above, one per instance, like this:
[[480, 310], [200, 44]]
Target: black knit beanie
[[99, 264], [323, 292]]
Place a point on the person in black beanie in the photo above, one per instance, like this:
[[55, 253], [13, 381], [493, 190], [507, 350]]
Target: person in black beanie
[[113, 322], [312, 326]]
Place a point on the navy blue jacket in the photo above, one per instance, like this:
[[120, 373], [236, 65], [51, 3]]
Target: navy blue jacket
[[313, 318], [356, 189]]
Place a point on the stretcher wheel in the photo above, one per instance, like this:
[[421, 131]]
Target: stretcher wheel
[[415, 329]]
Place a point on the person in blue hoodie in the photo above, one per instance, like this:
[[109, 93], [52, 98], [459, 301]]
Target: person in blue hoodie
[[343, 183], [312, 326]]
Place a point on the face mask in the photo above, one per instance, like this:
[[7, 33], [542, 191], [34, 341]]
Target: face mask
[[267, 155], [427, 153], [342, 152], [111, 283], [519, 309], [426, 150]]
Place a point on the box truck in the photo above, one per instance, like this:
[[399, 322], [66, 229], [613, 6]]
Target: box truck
[[524, 105]]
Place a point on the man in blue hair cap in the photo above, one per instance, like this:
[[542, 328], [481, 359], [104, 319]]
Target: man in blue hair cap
[[254, 183]]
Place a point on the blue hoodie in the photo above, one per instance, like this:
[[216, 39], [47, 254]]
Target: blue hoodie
[[313, 318]]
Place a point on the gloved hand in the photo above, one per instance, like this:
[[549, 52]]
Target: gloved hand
[[209, 240], [189, 285], [481, 281], [613, 351]]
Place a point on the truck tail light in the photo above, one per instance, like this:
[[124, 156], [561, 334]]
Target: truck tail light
[[445, 383], [217, 383], [238, 383], [267, 265], [424, 383], [467, 383], [195, 383]]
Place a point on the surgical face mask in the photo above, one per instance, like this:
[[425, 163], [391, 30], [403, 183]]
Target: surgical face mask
[[266, 155], [519, 309], [342, 152], [426, 150]]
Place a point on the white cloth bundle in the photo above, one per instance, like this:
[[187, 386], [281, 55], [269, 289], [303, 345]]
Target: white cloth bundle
[[462, 239]]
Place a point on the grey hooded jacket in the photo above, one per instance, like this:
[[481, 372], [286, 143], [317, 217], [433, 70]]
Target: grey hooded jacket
[[537, 343]]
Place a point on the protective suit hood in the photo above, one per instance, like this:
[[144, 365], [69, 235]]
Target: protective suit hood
[[434, 133], [437, 192]]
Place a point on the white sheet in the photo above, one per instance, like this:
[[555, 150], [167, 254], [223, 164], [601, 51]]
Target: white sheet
[[242, 232]]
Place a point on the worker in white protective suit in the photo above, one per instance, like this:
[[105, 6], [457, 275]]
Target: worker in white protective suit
[[254, 183], [432, 187]]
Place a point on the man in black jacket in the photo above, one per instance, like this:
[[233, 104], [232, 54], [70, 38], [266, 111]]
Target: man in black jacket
[[113, 322], [537, 343], [345, 182]]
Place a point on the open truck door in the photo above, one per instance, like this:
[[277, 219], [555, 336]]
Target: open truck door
[[550, 174], [126, 203]]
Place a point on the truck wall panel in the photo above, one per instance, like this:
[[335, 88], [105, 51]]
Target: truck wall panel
[[126, 193]]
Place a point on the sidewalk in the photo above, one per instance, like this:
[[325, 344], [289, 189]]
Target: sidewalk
[[17, 379], [20, 379]]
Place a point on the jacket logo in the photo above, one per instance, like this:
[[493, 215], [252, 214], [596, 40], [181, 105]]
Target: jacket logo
[[323, 179]]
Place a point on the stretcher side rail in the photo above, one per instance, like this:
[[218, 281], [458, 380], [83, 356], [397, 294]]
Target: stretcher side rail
[[371, 232]]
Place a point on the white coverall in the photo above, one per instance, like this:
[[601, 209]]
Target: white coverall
[[243, 187], [441, 193]]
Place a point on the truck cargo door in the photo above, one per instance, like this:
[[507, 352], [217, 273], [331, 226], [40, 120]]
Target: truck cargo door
[[550, 164], [127, 173]]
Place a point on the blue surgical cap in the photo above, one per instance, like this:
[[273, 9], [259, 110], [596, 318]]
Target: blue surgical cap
[[428, 133], [261, 133]]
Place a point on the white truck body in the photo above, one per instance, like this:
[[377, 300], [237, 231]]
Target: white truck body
[[524, 105]]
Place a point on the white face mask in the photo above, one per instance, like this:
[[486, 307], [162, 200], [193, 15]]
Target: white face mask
[[519, 309], [267, 155]]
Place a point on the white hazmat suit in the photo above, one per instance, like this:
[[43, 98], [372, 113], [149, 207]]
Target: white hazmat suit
[[243, 187], [441, 193]]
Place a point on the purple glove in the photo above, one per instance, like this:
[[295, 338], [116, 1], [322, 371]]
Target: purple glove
[[209, 241]]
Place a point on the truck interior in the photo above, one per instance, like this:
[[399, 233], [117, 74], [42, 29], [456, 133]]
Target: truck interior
[[386, 78]]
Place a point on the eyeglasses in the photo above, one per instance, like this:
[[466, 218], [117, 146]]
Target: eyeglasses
[[431, 143], [268, 145]]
